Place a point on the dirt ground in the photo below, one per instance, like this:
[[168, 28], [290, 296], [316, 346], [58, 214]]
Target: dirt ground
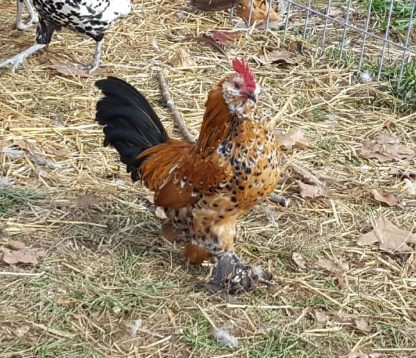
[[109, 286]]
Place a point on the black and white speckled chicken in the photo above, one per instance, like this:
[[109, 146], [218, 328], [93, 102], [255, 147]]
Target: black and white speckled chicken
[[90, 17], [19, 15]]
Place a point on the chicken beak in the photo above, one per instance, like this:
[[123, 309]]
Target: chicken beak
[[250, 95]]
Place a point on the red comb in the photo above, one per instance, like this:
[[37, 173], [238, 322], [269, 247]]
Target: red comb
[[242, 67]]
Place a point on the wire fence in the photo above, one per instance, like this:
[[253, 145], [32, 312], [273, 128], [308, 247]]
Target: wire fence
[[376, 32]]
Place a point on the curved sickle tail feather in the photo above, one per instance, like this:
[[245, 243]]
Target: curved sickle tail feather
[[131, 125]]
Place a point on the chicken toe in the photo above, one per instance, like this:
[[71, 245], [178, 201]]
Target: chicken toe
[[18, 59]]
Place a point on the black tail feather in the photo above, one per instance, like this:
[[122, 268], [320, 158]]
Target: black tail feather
[[130, 123]]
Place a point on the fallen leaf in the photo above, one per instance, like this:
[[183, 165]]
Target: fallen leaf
[[333, 267], [294, 138], [305, 174], [389, 237], [311, 191], [386, 198], [295, 46], [182, 58], [279, 56], [225, 37], [326, 264], [15, 245], [385, 148], [24, 255], [299, 260], [403, 173], [336, 11], [321, 317], [68, 69], [21, 148], [362, 325]]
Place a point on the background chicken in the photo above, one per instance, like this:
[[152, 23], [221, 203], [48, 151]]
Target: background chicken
[[204, 186], [248, 10], [91, 17], [19, 15]]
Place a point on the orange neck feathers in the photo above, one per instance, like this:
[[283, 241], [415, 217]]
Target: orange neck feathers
[[216, 123]]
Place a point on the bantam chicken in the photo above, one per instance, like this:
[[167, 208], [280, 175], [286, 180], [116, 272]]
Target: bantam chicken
[[19, 15], [248, 10], [90, 17], [203, 186]]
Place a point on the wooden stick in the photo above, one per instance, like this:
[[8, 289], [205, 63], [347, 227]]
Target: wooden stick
[[176, 116]]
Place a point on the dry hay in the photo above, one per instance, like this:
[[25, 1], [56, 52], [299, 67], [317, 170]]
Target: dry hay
[[106, 266]]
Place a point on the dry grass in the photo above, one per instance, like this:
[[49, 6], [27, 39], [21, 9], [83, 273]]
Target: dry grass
[[106, 265]]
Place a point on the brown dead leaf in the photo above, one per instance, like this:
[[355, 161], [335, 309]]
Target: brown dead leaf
[[15, 245], [297, 170], [362, 325], [299, 260], [225, 37], [326, 264], [24, 255], [182, 58], [386, 198], [321, 317], [385, 148], [334, 268], [68, 69], [32, 150], [294, 138], [389, 237], [311, 191], [402, 173], [279, 56]]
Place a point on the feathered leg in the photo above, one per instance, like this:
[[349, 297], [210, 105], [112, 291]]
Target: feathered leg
[[97, 56], [92, 67], [19, 16]]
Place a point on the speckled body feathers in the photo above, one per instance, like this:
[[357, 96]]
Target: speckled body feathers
[[91, 17]]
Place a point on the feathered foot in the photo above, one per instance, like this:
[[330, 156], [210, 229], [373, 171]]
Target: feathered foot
[[230, 274], [18, 59], [34, 19], [92, 67]]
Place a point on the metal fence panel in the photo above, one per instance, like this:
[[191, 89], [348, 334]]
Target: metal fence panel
[[355, 32]]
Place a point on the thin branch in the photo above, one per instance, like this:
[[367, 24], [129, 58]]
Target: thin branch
[[176, 116]]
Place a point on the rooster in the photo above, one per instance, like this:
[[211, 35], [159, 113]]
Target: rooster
[[203, 186], [19, 15], [90, 17]]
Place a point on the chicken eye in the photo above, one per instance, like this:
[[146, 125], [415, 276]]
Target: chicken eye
[[237, 85]]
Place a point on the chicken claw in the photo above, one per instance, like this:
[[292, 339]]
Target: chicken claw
[[230, 274], [18, 59]]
